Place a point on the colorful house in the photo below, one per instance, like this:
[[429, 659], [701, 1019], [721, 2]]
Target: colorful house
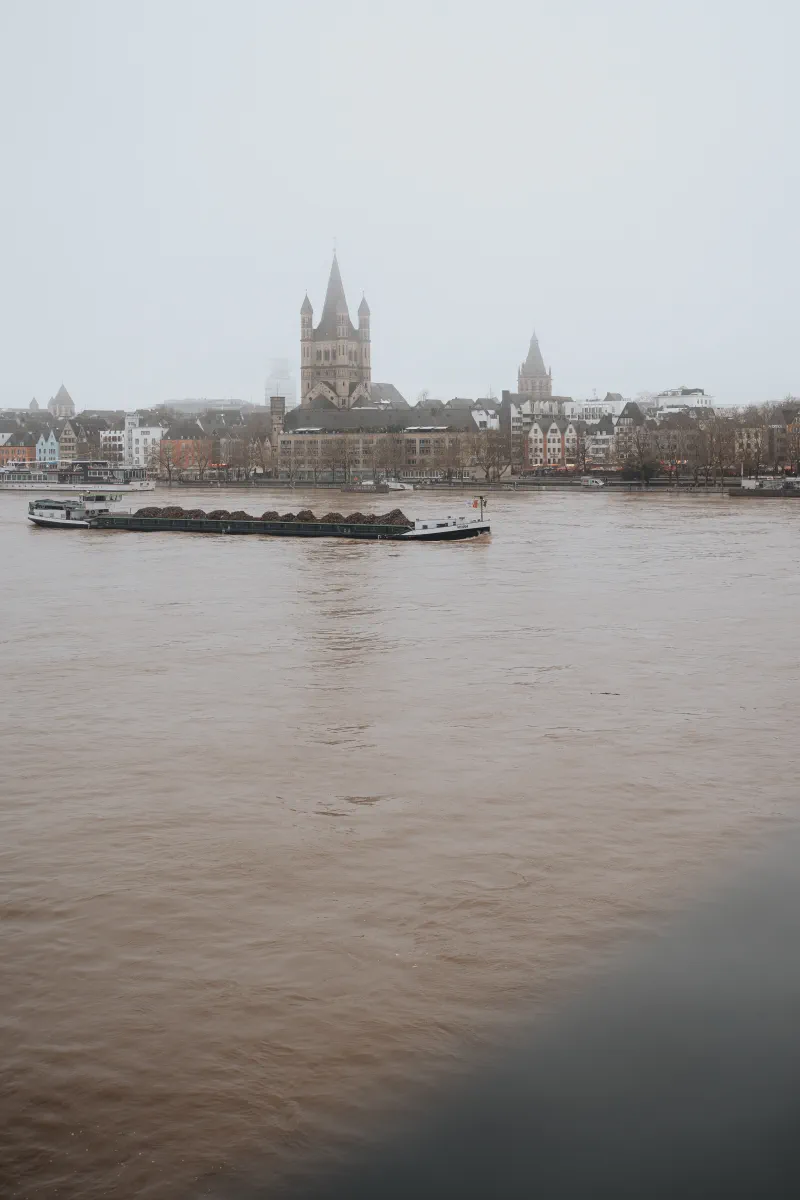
[[20, 447], [47, 447]]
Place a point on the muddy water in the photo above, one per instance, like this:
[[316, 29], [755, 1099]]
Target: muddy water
[[284, 823]]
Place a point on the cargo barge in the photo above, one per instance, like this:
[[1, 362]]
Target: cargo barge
[[393, 526]]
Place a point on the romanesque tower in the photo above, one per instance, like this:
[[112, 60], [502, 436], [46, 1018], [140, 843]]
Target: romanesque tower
[[335, 357], [533, 380]]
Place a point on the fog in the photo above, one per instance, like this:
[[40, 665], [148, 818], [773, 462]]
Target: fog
[[618, 176]]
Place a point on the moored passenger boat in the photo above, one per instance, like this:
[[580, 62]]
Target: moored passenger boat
[[77, 476]]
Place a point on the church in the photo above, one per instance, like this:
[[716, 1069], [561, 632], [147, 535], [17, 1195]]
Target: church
[[533, 380], [335, 368]]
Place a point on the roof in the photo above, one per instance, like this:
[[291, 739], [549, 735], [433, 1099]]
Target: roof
[[633, 412], [534, 363], [320, 402], [383, 394], [377, 420], [678, 420], [335, 305], [561, 423], [363, 308], [305, 307], [350, 420], [184, 431], [604, 425], [63, 396]]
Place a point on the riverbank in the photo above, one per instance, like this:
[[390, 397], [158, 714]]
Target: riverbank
[[470, 487]]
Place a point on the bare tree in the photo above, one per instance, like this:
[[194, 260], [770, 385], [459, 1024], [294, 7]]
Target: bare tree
[[164, 460], [332, 456], [581, 452], [640, 446], [723, 433], [238, 457], [491, 453], [449, 459], [793, 443], [754, 440], [260, 453], [202, 456], [391, 454]]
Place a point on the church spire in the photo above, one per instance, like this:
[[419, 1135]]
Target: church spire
[[534, 363], [533, 378], [335, 305]]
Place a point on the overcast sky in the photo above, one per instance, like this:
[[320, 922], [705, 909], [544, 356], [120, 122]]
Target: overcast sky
[[620, 176]]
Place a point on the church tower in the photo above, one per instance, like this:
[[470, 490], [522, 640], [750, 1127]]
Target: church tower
[[335, 357], [533, 380]]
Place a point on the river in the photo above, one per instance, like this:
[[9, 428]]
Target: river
[[287, 826]]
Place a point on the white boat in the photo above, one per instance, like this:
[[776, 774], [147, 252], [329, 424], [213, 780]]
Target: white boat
[[394, 485], [72, 514], [446, 529], [591, 481], [451, 529]]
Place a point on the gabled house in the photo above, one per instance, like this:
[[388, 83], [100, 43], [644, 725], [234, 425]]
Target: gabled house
[[47, 447], [20, 447]]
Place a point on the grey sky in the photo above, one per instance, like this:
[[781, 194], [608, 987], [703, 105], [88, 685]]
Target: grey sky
[[622, 177]]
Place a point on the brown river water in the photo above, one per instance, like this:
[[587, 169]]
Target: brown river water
[[289, 826]]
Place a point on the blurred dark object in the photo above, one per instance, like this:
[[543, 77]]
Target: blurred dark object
[[677, 1077]]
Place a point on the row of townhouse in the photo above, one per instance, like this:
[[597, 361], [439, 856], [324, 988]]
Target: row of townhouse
[[749, 440]]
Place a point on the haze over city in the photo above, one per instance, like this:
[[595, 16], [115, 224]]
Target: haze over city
[[615, 178]]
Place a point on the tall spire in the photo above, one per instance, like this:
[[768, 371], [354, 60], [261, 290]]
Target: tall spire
[[534, 363], [335, 304]]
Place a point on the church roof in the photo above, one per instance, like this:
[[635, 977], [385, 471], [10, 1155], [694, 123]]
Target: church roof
[[321, 402], [305, 307], [63, 396], [363, 308], [383, 395], [534, 363], [335, 304]]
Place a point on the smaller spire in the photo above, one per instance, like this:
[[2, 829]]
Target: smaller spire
[[306, 308], [363, 308]]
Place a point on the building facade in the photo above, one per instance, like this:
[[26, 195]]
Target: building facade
[[112, 443], [335, 364], [141, 441], [552, 442], [47, 447], [68, 442], [20, 447]]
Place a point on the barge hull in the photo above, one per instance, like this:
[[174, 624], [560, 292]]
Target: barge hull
[[374, 533]]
